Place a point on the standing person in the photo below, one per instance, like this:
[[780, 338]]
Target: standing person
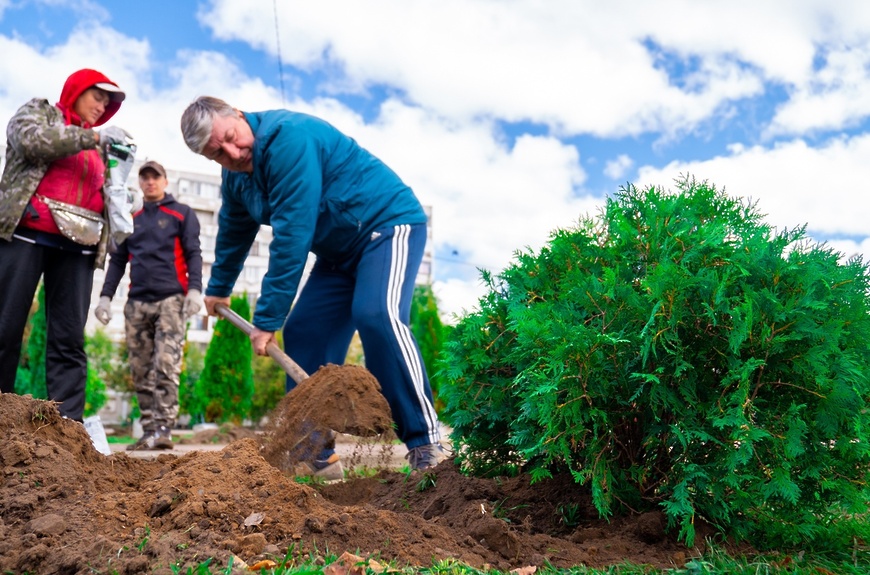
[[321, 192], [53, 177], [165, 291]]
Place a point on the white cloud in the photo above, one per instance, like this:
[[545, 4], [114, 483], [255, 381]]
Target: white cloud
[[617, 168], [457, 297], [835, 98], [579, 67], [458, 69], [794, 184]]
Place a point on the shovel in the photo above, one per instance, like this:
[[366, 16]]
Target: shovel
[[292, 368]]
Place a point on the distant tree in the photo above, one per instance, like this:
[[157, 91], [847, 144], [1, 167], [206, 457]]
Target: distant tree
[[430, 333], [269, 384], [188, 401], [102, 359], [355, 354], [102, 354], [95, 392], [35, 353], [226, 387]]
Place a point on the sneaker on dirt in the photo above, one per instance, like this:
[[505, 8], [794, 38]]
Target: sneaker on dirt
[[425, 456], [152, 440]]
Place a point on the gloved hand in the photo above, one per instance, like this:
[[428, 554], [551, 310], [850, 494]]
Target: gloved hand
[[192, 304], [136, 201], [103, 312], [115, 135]]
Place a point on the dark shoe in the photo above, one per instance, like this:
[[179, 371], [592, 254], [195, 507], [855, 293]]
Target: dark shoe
[[425, 456], [155, 439]]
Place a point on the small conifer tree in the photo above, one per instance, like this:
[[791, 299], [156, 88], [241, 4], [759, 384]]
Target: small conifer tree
[[679, 354], [34, 385], [225, 387], [429, 331]]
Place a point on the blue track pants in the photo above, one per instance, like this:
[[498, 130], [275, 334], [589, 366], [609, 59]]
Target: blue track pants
[[374, 298]]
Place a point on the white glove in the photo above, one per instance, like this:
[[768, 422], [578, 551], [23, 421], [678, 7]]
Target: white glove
[[103, 312], [192, 304], [137, 200]]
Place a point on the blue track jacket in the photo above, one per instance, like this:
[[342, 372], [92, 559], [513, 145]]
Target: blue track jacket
[[319, 190]]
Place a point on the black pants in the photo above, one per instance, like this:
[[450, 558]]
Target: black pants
[[68, 277]]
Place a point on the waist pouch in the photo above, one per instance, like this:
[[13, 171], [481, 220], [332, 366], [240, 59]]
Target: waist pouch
[[79, 224]]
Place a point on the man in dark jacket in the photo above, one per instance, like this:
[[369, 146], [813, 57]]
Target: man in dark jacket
[[322, 192], [165, 290]]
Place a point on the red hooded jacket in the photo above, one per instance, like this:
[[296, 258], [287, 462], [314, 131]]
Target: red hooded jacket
[[76, 179]]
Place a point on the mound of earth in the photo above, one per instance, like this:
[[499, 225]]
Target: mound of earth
[[337, 398], [65, 508]]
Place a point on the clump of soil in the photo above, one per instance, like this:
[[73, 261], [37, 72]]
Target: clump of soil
[[337, 398], [65, 508]]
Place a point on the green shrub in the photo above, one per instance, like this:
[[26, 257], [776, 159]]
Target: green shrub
[[225, 386], [270, 380], [429, 332], [32, 362], [675, 352]]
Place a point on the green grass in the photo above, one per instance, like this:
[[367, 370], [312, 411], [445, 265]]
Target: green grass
[[120, 439], [714, 562]]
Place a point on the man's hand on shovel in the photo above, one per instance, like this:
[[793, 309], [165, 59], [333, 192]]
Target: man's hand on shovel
[[260, 339], [210, 301]]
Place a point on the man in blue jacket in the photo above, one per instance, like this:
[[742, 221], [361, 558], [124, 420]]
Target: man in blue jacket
[[165, 290], [322, 193]]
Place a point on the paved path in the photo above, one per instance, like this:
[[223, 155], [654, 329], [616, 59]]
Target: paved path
[[348, 448]]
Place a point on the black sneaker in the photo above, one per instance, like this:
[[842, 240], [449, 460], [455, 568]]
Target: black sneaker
[[152, 440], [425, 456]]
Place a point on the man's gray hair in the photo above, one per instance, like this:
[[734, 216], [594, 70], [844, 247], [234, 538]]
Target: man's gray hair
[[198, 119]]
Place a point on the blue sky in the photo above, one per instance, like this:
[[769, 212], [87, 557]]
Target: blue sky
[[509, 118]]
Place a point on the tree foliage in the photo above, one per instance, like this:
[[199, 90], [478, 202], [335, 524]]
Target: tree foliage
[[675, 353], [32, 379], [225, 387], [109, 360], [429, 331], [270, 381], [95, 392], [193, 364]]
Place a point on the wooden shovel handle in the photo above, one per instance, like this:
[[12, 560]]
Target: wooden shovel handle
[[285, 361]]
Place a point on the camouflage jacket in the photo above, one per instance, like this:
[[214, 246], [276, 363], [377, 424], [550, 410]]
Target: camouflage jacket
[[35, 137]]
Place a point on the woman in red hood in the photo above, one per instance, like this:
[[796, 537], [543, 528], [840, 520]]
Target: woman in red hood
[[53, 155]]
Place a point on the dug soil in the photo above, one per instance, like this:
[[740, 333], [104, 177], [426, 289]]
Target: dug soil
[[65, 508]]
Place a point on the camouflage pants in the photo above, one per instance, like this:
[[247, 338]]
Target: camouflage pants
[[155, 342]]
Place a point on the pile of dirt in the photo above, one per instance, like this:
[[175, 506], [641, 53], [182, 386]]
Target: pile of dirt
[[65, 508], [337, 398]]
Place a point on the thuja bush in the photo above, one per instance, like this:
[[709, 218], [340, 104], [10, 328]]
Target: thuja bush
[[225, 387], [675, 352]]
